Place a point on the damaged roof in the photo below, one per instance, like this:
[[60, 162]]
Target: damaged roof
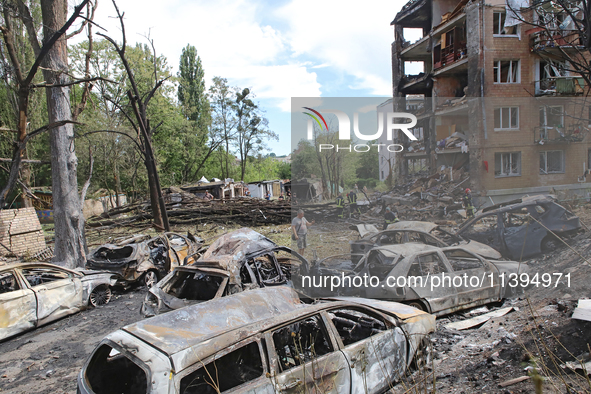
[[235, 246]]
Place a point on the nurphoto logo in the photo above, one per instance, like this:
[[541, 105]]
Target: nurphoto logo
[[393, 121]]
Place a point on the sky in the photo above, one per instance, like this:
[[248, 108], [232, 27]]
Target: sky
[[278, 49]]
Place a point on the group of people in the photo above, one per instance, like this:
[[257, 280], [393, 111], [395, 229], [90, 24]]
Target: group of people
[[351, 199], [281, 197]]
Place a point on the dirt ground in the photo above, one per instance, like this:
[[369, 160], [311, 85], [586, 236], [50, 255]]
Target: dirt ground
[[535, 339]]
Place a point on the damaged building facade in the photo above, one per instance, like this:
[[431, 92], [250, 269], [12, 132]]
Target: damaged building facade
[[493, 97]]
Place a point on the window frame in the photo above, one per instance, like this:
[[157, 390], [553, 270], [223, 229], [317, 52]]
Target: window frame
[[562, 162], [501, 155], [258, 339], [497, 66], [501, 110]]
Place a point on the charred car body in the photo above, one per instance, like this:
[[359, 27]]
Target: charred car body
[[414, 231], [237, 261], [520, 229], [142, 257], [263, 341], [436, 280], [33, 294]]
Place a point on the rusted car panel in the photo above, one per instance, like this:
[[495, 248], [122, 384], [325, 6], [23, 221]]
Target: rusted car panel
[[264, 341], [33, 294], [428, 277], [237, 261], [143, 257], [519, 229], [415, 231]]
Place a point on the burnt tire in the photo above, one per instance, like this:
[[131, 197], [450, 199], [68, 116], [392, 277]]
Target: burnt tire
[[419, 305], [424, 355], [550, 243], [150, 278], [100, 295]]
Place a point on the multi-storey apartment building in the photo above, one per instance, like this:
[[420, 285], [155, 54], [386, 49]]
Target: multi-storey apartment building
[[499, 99]]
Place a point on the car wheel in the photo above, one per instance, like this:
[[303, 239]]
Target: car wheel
[[550, 243], [419, 305], [100, 295], [150, 278], [424, 355]]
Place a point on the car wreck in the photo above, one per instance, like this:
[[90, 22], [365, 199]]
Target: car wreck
[[238, 261], [414, 231], [143, 258], [436, 280], [34, 294], [264, 341], [522, 228]]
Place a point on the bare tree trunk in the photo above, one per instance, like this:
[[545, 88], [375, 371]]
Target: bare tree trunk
[[70, 244]]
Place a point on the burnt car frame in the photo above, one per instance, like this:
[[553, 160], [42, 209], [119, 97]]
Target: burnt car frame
[[522, 228], [414, 231], [420, 266], [238, 261], [143, 258], [263, 341], [34, 294]]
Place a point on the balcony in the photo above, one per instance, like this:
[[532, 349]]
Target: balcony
[[560, 86], [451, 49], [553, 135], [552, 40]]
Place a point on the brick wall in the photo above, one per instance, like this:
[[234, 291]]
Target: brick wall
[[21, 231]]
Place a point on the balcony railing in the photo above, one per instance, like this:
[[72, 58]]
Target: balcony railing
[[545, 40], [556, 134], [561, 86]]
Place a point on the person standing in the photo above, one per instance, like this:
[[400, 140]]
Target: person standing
[[340, 206], [390, 217], [299, 230], [352, 197], [467, 201]]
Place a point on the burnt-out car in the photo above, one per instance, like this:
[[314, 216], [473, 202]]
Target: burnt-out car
[[237, 261], [143, 258], [521, 228], [436, 280], [414, 231], [262, 341], [33, 294]]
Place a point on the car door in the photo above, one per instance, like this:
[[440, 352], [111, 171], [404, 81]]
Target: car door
[[58, 292], [18, 305], [429, 277], [373, 346], [305, 359], [474, 278], [241, 368]]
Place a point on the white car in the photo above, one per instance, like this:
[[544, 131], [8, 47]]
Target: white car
[[33, 294]]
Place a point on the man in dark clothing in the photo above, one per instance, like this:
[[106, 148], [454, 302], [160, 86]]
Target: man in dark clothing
[[389, 218], [352, 198], [340, 206]]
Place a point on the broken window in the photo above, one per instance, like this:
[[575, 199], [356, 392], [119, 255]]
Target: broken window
[[461, 260], [229, 371], [483, 230], [265, 269], [552, 162], [39, 276], [380, 262], [8, 282], [191, 285], [506, 118], [301, 342], [389, 238], [516, 218], [506, 71], [499, 27], [508, 164], [354, 326], [110, 371], [427, 264]]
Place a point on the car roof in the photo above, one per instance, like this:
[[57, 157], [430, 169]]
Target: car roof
[[185, 335], [408, 248], [10, 266], [414, 225]]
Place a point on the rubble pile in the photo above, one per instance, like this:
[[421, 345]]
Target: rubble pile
[[426, 197], [186, 208]]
